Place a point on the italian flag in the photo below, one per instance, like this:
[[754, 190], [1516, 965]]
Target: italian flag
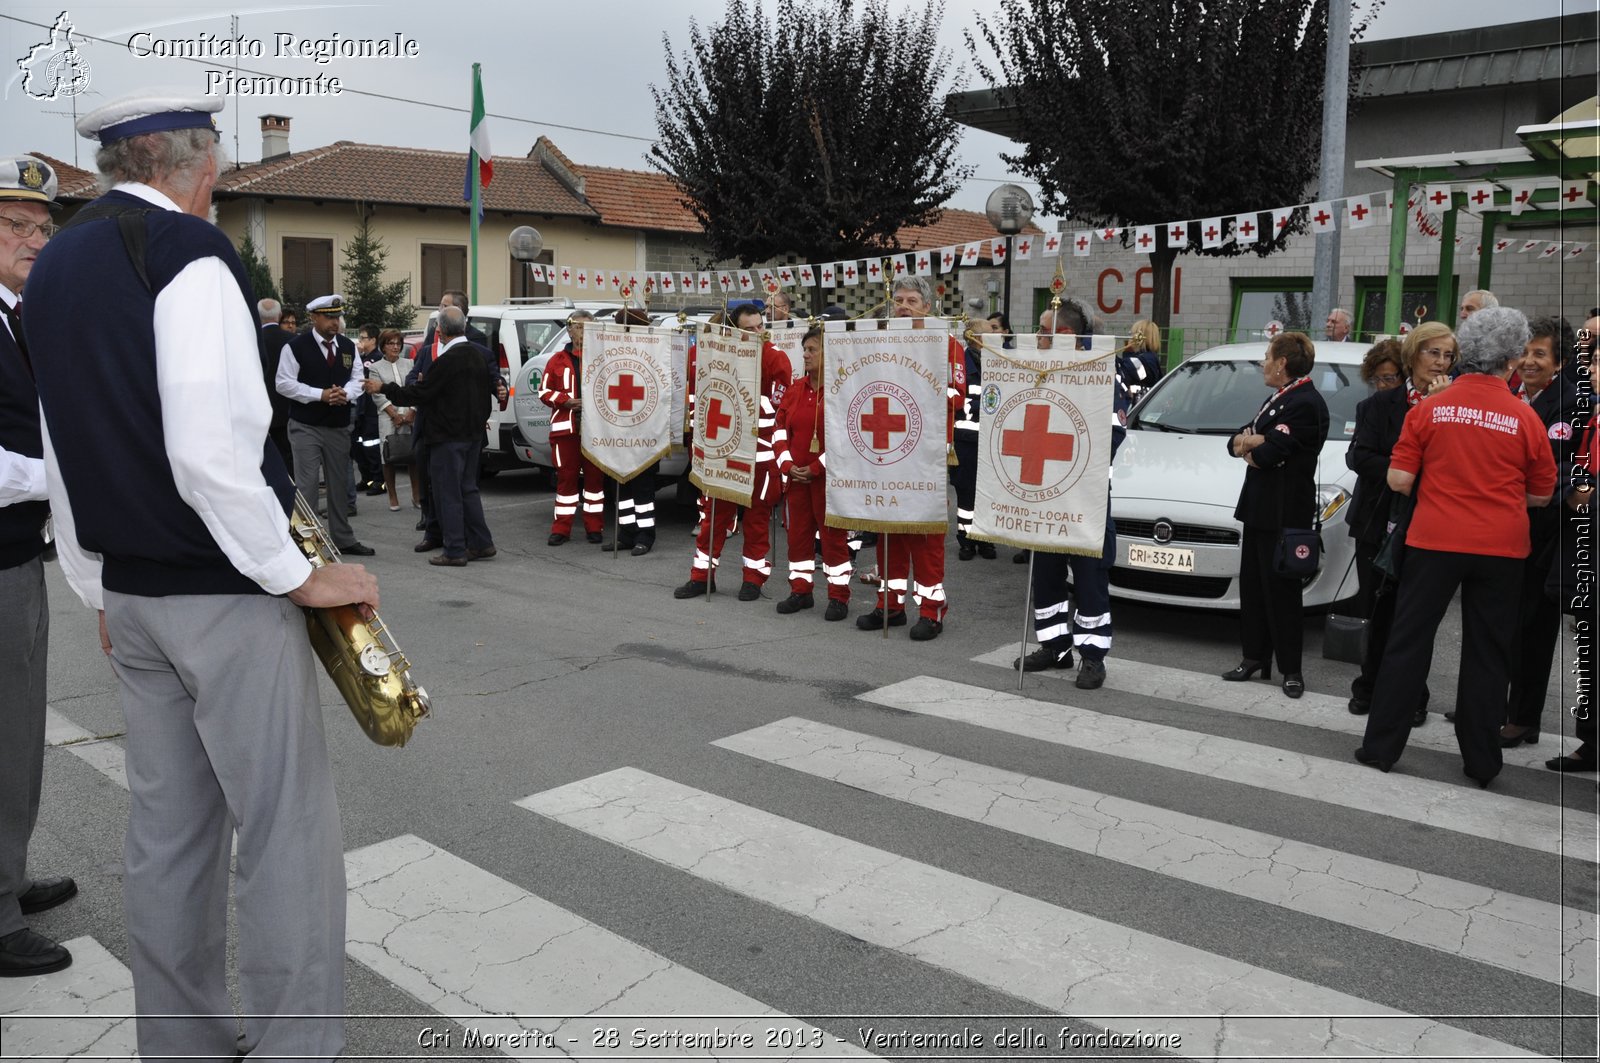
[[479, 150]]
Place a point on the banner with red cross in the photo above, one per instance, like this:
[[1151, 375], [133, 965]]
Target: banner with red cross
[[786, 336], [682, 340], [627, 398], [1044, 444], [727, 411], [886, 419]]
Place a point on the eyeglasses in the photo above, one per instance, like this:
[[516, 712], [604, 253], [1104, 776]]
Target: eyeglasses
[[1386, 378], [1439, 352], [24, 230], [394, 343]]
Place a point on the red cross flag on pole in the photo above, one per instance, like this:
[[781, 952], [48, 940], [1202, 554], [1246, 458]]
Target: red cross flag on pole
[[627, 396], [1322, 218], [727, 412], [1358, 212], [1144, 239], [887, 420], [1044, 444], [1247, 228]]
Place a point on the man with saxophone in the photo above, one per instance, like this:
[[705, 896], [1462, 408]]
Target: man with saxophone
[[172, 520]]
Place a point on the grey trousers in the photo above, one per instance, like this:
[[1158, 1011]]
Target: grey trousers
[[324, 450], [225, 737], [24, 639]]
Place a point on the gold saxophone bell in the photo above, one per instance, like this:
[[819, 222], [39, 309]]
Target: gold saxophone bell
[[360, 656]]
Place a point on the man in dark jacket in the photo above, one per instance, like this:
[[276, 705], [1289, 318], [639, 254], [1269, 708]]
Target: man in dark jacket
[[422, 360], [453, 403], [273, 337]]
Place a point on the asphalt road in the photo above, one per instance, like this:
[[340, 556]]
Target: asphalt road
[[837, 828]]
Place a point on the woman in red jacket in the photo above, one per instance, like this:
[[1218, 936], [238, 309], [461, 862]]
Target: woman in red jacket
[[797, 442]]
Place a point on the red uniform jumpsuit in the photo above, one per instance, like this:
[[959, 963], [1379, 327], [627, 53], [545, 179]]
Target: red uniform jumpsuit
[[557, 386], [921, 555], [768, 487], [797, 440]]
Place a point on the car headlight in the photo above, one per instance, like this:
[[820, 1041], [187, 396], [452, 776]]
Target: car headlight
[[1331, 498]]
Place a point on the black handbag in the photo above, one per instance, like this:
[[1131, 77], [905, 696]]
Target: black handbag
[[397, 449], [1392, 551], [1299, 550]]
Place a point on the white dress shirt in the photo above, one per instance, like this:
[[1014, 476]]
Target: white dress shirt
[[288, 379], [214, 415], [21, 477]]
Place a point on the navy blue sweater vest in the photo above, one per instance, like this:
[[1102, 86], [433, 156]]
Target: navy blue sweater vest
[[309, 351], [92, 339], [20, 538]]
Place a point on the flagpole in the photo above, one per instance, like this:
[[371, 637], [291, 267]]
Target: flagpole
[[1027, 615], [477, 200]]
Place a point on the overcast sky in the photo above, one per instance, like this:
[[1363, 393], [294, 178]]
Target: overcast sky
[[545, 65]]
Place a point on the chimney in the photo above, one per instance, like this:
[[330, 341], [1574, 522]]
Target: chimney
[[274, 136]]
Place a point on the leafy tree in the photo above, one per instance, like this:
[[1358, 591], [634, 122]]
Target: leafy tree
[[1146, 112], [819, 134], [257, 270], [367, 299]]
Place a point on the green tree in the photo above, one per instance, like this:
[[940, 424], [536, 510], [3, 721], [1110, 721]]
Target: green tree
[[1146, 112], [820, 133], [368, 300], [256, 270]]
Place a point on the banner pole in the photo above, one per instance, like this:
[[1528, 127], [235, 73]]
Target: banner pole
[[883, 584], [712, 555], [1027, 615], [616, 516]]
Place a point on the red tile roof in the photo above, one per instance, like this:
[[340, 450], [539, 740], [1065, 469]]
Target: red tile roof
[[953, 227], [411, 176], [71, 182]]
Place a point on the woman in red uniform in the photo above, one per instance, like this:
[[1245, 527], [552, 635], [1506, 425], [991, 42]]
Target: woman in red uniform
[[797, 441]]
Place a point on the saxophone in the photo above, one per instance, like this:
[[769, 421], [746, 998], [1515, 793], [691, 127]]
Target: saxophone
[[360, 656]]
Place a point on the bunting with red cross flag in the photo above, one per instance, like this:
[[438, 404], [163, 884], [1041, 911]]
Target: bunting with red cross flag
[[1044, 443], [1358, 212], [886, 416], [727, 411], [1247, 228], [627, 396]]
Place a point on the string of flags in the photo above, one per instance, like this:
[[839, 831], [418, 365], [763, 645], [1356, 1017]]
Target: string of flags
[[1424, 207]]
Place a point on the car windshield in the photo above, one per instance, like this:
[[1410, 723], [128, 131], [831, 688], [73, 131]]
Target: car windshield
[[1216, 398], [535, 334]]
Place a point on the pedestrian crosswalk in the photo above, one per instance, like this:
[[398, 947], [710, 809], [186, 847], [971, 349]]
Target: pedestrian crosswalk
[[528, 978]]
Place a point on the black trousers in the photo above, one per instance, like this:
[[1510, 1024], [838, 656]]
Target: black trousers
[[423, 461], [964, 476], [1368, 578], [1072, 601], [454, 474], [1379, 624], [1538, 628], [1488, 588], [1270, 621]]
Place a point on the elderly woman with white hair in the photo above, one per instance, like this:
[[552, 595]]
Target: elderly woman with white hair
[[1476, 458]]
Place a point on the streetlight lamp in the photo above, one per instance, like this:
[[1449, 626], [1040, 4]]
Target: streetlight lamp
[[1009, 209], [525, 244]]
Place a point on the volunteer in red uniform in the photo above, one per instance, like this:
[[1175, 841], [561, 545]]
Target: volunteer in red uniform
[[798, 442], [558, 389], [916, 561], [1478, 458], [757, 518]]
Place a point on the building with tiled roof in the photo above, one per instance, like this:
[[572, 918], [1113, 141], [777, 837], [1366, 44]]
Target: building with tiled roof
[[73, 185]]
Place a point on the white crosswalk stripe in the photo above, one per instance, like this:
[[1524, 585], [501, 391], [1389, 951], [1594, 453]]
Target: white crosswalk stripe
[[1066, 962], [465, 942], [1520, 934], [1266, 701], [1528, 824], [72, 1014]]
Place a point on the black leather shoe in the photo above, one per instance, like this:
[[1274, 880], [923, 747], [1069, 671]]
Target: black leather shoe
[[1450, 717], [967, 552], [1529, 735], [46, 893], [796, 602], [593, 537], [836, 610], [1359, 706], [1371, 761], [1483, 782], [1042, 658], [873, 621], [1248, 668], [358, 550], [925, 630], [425, 545], [24, 953], [618, 546], [556, 539], [1091, 675], [692, 589], [643, 546], [376, 489], [422, 525], [446, 561], [1572, 763], [1419, 717], [986, 551], [1020, 557], [1293, 684], [749, 592]]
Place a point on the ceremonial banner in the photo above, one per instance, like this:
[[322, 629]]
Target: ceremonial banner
[[886, 419], [1044, 445], [682, 340], [627, 398], [727, 409], [786, 336]]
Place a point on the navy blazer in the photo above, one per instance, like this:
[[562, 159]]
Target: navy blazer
[[1280, 489], [1379, 418]]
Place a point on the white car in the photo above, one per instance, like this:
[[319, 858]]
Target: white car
[[1174, 485]]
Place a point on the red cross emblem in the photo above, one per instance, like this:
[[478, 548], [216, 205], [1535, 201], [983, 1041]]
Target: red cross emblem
[[625, 393], [1360, 212], [805, 274], [616, 280], [879, 422], [827, 275], [899, 265], [1108, 234], [1322, 217], [1082, 242], [650, 284], [1051, 244], [705, 282], [1247, 227], [922, 262], [1439, 197], [872, 271], [772, 286], [1177, 233], [1022, 248], [716, 420], [1480, 196], [1035, 444], [850, 271], [583, 278], [1144, 240], [566, 275], [1283, 222], [727, 281], [786, 276], [1523, 195], [1576, 251], [1211, 232], [1572, 194], [949, 260], [1501, 245], [1272, 329]]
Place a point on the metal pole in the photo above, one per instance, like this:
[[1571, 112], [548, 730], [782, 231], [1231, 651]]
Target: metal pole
[[712, 555], [616, 516], [1027, 616], [1486, 251], [1399, 218], [1335, 97], [1444, 296], [1009, 323], [883, 582]]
